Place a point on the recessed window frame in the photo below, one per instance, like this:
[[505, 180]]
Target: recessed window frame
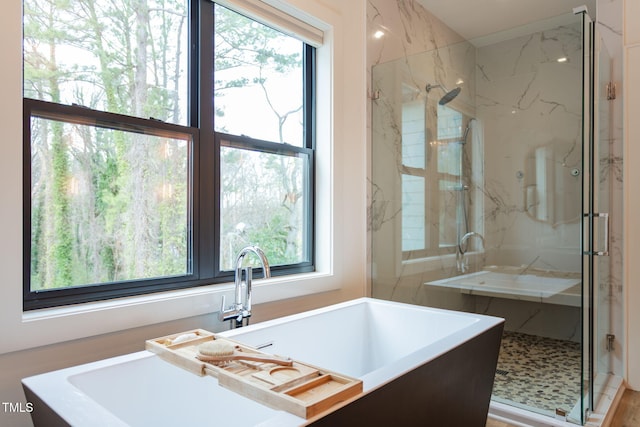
[[205, 182]]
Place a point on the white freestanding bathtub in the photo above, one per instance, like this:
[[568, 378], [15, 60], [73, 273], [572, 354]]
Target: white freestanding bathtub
[[417, 364], [371, 339]]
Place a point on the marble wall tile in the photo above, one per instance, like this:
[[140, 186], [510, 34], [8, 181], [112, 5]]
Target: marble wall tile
[[408, 29], [558, 322], [518, 113], [399, 77], [609, 24], [531, 108]]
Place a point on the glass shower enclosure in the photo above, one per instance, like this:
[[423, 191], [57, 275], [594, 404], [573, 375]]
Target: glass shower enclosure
[[485, 199]]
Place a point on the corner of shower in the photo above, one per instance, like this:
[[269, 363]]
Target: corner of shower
[[477, 202]]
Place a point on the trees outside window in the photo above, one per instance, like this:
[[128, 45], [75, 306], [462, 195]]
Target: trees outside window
[[123, 162], [260, 74]]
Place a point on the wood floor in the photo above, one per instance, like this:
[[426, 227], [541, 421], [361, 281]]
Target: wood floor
[[494, 423], [627, 414]]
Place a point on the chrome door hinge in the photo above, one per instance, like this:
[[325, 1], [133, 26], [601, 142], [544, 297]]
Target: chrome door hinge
[[611, 91], [610, 339], [561, 414]]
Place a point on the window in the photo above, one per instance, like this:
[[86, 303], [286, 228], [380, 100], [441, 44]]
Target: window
[[432, 180], [414, 163], [265, 190], [160, 138]]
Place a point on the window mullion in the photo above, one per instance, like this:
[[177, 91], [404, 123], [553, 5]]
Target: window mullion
[[208, 156], [309, 94]]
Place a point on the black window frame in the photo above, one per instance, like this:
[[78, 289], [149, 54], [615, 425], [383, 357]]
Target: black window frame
[[250, 144], [205, 180]]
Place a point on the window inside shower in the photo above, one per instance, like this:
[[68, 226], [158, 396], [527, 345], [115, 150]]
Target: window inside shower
[[433, 140]]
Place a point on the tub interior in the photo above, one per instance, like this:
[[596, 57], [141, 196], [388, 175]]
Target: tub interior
[[357, 339], [150, 391]]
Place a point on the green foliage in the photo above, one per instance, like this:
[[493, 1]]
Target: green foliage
[[271, 236], [61, 246]]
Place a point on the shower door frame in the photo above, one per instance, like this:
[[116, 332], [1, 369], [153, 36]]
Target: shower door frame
[[595, 223], [587, 244]]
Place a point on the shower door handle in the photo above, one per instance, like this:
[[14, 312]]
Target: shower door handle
[[604, 215], [605, 251]]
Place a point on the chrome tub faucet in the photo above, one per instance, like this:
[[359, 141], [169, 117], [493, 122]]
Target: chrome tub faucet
[[461, 262], [241, 308]]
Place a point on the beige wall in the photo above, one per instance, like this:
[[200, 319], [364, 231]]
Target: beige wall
[[631, 93], [97, 332]]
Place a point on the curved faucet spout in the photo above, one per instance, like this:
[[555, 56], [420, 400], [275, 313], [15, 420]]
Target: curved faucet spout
[[260, 254], [266, 270], [241, 309], [461, 249], [466, 237]]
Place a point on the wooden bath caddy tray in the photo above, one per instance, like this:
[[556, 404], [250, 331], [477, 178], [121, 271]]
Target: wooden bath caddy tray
[[301, 389]]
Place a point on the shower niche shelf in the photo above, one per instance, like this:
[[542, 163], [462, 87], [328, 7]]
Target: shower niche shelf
[[512, 283]]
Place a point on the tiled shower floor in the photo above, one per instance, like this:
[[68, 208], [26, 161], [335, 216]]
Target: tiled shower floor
[[538, 373]]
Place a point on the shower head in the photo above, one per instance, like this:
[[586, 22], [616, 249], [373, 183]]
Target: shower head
[[448, 96]]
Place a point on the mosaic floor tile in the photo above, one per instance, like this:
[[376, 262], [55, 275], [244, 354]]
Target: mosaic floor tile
[[538, 372]]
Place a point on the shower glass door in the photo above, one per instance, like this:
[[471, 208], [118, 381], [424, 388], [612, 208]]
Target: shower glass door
[[603, 291], [597, 199], [476, 200], [588, 209]]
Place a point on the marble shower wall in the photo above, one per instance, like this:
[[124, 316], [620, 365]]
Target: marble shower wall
[[416, 49], [530, 104], [531, 109], [609, 24], [410, 30]]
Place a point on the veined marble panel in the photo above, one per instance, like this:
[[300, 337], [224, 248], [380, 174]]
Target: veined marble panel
[[508, 84], [408, 29], [416, 49], [531, 108], [611, 304]]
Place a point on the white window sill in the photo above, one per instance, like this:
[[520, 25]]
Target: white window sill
[[53, 325]]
